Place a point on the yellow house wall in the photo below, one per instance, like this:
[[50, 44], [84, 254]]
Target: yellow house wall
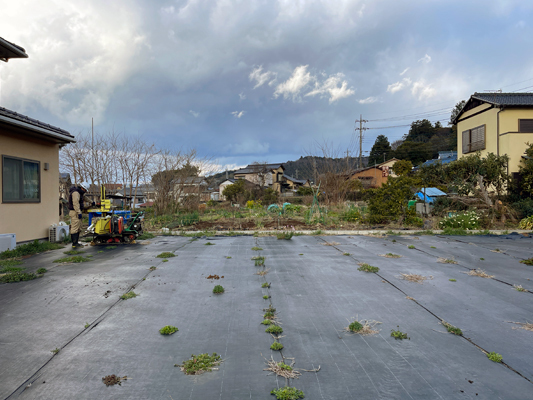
[[487, 118], [31, 221]]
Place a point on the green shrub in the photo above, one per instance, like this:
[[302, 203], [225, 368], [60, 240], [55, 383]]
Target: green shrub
[[42, 271], [218, 289], [524, 207], [168, 330], [29, 249], [200, 363], [367, 268], [276, 346], [129, 295], [274, 329], [17, 276], [493, 356], [464, 220], [352, 214], [526, 223], [166, 254], [355, 326], [288, 393]]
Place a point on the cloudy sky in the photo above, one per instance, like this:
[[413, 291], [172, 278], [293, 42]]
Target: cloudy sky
[[249, 80]]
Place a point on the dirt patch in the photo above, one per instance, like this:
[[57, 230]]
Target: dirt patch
[[214, 277], [414, 278], [111, 380]]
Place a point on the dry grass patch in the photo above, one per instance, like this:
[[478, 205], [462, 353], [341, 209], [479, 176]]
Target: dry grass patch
[[528, 326], [478, 272], [282, 369], [262, 273], [409, 298], [446, 260], [330, 244], [390, 255], [414, 278], [362, 327]]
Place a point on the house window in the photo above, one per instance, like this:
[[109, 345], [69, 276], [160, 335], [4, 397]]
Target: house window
[[474, 139], [525, 125], [21, 180]]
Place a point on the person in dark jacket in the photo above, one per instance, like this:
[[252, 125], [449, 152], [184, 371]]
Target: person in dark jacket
[[75, 205]]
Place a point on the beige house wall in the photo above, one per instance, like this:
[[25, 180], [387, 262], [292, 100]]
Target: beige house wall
[[511, 142], [30, 221]]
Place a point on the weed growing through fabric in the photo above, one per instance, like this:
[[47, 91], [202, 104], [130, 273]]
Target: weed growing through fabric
[[145, 236], [282, 369], [100, 251], [301, 254], [42, 271], [29, 249], [493, 356], [355, 326], [519, 288], [165, 260], [10, 266], [362, 327], [393, 240], [129, 295], [287, 393], [318, 232], [73, 252], [330, 244], [496, 251], [276, 346], [218, 289], [482, 259], [111, 247], [259, 261], [55, 351], [452, 280], [267, 322], [17, 276], [269, 315], [478, 272], [262, 273], [346, 254], [367, 268], [397, 334], [390, 255], [414, 278], [255, 248], [411, 246], [209, 244], [285, 235], [265, 297], [72, 259], [228, 257], [446, 260], [452, 329], [528, 261], [168, 330], [152, 268], [274, 329], [198, 364], [265, 285], [433, 247], [166, 254]]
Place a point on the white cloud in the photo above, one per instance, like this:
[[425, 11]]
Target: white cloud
[[238, 114], [423, 90], [292, 87], [242, 96], [405, 70], [260, 77], [426, 59], [368, 100], [330, 87], [400, 85], [194, 113]]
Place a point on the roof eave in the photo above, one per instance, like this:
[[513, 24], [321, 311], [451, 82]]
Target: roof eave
[[45, 132], [13, 51]]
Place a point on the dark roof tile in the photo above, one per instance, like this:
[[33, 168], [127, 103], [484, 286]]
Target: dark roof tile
[[23, 118]]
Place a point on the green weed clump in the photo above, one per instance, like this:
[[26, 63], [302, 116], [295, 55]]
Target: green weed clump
[[152, 268], [455, 232], [265, 285], [397, 334], [255, 248], [199, 364], [529, 261], [218, 289], [209, 244], [274, 329], [129, 295], [10, 266], [285, 235], [29, 249], [268, 315], [72, 259], [287, 393], [367, 268], [166, 254], [111, 247], [276, 346], [168, 330], [259, 261], [73, 252], [493, 356], [452, 329], [266, 322], [452, 280], [355, 326], [411, 246], [17, 276], [346, 254], [42, 271], [145, 236]]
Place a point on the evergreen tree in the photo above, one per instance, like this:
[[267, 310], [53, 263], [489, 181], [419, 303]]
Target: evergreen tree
[[380, 150]]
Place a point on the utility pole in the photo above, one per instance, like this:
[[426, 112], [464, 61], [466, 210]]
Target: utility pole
[[296, 174], [361, 129], [347, 164]]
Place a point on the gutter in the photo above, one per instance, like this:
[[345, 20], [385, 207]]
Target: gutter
[[42, 131]]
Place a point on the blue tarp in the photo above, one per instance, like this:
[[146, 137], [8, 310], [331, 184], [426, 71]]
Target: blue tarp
[[431, 194]]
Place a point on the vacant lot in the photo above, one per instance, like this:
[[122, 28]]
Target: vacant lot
[[62, 333]]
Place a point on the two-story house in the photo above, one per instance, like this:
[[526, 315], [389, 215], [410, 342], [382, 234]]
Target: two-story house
[[499, 123]]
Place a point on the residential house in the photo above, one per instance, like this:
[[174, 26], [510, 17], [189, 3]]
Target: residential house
[[444, 157], [290, 185], [191, 186], [265, 175], [29, 182], [375, 176], [223, 186], [499, 123]]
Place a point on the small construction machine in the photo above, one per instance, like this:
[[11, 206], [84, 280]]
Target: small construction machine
[[109, 227]]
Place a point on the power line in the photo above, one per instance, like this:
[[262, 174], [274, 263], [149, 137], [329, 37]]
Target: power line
[[402, 126], [418, 115]]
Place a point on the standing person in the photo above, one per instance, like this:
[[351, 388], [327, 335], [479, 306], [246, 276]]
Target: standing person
[[75, 205]]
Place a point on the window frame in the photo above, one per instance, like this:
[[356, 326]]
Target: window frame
[[520, 125], [468, 144], [22, 200]]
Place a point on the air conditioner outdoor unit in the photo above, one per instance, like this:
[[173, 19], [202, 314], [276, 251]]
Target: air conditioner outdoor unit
[[59, 233]]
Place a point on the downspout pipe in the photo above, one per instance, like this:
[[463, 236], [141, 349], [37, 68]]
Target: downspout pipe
[[498, 131]]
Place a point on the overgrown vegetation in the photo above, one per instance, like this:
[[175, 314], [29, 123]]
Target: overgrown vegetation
[[288, 393], [367, 268], [72, 259], [198, 364], [42, 271], [259, 261], [166, 254], [17, 276], [30, 249], [355, 326], [452, 329], [285, 235], [493, 356], [274, 329], [73, 252], [168, 330], [146, 236]]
